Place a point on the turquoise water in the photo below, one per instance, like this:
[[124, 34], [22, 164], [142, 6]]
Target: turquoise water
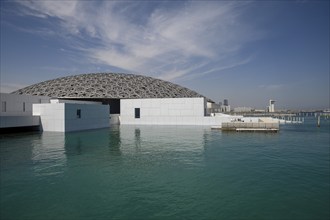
[[167, 172]]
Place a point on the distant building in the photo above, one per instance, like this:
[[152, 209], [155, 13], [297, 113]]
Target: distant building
[[260, 110], [225, 107], [243, 109], [218, 108], [271, 107]]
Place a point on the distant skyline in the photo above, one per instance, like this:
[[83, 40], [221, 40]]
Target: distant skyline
[[245, 51]]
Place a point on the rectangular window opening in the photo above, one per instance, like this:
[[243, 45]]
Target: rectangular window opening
[[137, 112], [4, 106], [23, 106], [78, 113]]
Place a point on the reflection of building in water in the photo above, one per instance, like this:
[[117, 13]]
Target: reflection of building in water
[[18, 149], [163, 138], [91, 141], [49, 150], [137, 137], [68, 149]]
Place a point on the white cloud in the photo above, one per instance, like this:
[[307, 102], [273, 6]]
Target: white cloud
[[215, 69], [60, 9], [170, 41]]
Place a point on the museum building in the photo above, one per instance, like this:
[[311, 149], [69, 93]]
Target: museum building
[[97, 100]]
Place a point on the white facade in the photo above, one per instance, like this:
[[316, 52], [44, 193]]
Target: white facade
[[72, 116], [18, 121], [168, 111], [19, 105], [16, 110]]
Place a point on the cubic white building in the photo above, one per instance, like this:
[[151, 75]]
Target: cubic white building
[[169, 111], [63, 115], [42, 113], [16, 110], [19, 105]]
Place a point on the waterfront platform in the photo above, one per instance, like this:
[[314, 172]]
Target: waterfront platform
[[257, 130], [248, 127]]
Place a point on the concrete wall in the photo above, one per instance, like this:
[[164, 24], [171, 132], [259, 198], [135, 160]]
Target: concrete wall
[[161, 111], [19, 121], [16, 110], [51, 116], [114, 119], [13, 105], [168, 111], [63, 116]]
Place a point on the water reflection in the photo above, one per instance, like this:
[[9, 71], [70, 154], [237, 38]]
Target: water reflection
[[48, 154], [52, 153], [124, 143], [16, 149], [165, 171], [177, 138], [114, 141], [137, 137], [78, 143], [163, 144]]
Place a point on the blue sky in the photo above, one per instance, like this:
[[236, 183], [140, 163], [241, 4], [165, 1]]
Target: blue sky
[[245, 51]]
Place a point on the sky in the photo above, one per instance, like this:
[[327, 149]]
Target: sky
[[245, 51]]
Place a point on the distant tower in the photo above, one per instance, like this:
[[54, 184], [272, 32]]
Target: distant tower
[[271, 107], [225, 107]]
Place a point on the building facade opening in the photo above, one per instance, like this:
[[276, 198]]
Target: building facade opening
[[78, 113], [137, 112]]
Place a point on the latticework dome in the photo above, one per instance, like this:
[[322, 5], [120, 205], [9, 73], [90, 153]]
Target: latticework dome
[[109, 86]]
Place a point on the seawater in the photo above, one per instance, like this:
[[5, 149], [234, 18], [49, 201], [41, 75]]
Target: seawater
[[167, 172]]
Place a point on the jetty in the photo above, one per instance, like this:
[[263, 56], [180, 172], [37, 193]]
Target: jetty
[[248, 126]]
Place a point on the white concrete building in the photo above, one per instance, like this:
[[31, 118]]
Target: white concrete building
[[65, 115], [169, 111], [16, 110], [126, 98], [37, 113], [19, 105]]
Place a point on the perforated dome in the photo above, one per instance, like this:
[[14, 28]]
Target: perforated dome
[[108, 85]]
